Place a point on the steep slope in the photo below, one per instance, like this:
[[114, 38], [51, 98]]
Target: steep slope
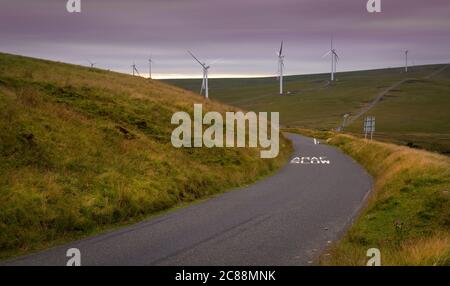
[[84, 149]]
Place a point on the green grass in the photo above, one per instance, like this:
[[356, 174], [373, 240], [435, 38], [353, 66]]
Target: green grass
[[408, 214], [415, 113], [83, 150]]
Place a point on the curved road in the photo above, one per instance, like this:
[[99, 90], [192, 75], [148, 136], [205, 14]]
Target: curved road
[[286, 219]]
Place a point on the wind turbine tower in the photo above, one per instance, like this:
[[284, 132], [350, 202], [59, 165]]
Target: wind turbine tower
[[92, 64], [205, 67], [334, 59], [150, 62], [281, 67], [406, 60]]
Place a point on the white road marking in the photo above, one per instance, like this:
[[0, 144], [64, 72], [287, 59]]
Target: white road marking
[[311, 161]]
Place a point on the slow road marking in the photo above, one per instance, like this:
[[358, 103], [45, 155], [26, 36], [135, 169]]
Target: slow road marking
[[311, 160]]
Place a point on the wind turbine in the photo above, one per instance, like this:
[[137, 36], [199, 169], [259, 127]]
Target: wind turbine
[[205, 76], [334, 59], [135, 71], [406, 60], [281, 67], [150, 62], [92, 64]]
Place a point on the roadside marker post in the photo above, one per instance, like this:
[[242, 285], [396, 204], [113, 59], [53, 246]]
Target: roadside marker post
[[344, 121], [369, 126]]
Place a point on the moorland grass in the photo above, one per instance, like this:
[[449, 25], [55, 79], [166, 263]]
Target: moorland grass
[[414, 114], [82, 150]]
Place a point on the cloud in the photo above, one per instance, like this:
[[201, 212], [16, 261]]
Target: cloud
[[245, 33]]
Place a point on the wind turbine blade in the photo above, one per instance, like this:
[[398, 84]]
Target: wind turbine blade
[[136, 70], [327, 53], [196, 59], [281, 49], [332, 38], [215, 61], [337, 57]]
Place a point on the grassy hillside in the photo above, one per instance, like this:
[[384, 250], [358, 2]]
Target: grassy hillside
[[408, 214], [415, 113], [84, 149]]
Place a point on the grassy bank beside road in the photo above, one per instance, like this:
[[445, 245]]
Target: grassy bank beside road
[[83, 150], [407, 215]]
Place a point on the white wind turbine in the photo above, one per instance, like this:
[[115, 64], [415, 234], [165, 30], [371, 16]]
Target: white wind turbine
[[406, 60], [92, 64], [150, 62], [281, 67], [205, 76], [334, 59]]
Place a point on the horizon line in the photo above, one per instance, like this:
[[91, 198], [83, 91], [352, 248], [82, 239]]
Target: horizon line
[[161, 76]]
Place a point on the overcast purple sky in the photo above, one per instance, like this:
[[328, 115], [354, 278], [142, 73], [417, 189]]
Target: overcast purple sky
[[240, 36]]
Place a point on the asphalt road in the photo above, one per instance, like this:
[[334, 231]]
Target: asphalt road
[[286, 219]]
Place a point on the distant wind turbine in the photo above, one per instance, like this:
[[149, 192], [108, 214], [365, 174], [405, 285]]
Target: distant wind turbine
[[334, 59], [281, 67], [92, 64], [205, 76], [150, 62], [406, 60], [135, 71]]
